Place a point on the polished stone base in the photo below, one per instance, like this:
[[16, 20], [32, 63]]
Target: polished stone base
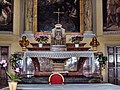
[[68, 80]]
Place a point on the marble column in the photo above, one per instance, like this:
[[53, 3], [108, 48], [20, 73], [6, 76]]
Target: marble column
[[88, 12], [28, 17]]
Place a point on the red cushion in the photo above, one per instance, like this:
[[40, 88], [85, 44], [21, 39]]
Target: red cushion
[[56, 79]]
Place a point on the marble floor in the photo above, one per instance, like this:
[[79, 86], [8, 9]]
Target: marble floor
[[105, 86]]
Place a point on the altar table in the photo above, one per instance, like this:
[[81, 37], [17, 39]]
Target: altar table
[[57, 55]]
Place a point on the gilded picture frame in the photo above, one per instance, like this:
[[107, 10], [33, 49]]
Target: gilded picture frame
[[111, 17], [81, 18]]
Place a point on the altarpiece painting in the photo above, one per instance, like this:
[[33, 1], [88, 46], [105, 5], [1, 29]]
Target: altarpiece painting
[[6, 15], [47, 13], [111, 16]]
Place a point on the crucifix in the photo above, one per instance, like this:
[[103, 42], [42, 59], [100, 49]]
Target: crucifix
[[58, 12]]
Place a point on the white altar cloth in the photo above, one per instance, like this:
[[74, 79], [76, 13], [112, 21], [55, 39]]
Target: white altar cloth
[[57, 55]]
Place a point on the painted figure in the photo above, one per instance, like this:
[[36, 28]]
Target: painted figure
[[5, 12], [112, 22], [117, 2], [110, 12]]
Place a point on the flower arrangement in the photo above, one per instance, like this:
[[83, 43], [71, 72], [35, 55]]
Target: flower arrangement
[[76, 38], [15, 60], [12, 76], [42, 38], [102, 59]]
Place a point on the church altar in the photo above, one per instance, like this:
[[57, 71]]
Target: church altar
[[57, 55]]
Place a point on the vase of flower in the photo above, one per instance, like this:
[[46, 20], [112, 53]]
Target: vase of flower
[[40, 45], [41, 38], [12, 85], [14, 77], [77, 38], [76, 45]]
